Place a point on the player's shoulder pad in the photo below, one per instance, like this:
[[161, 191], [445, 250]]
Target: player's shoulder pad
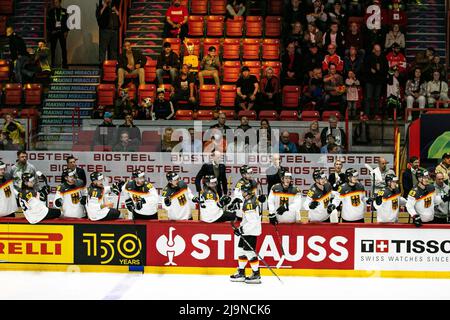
[[311, 192], [239, 184], [430, 188], [8, 176], [381, 193], [79, 183], [276, 187], [296, 190], [149, 186], [360, 187], [413, 193], [182, 184], [129, 185]]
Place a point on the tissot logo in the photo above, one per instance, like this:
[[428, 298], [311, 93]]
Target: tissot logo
[[405, 246], [378, 246]]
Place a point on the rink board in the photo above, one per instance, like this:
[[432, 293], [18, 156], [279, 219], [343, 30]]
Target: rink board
[[193, 247]]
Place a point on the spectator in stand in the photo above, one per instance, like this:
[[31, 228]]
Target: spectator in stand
[[294, 11], [131, 62], [19, 55], [336, 37], [373, 37], [313, 35], [338, 134], [314, 129], [108, 20], [42, 58], [312, 60], [161, 108], [409, 179], [167, 144], [216, 168], [210, 66], [21, 166], [314, 90], [393, 93], [168, 62], [287, 146], [193, 145], [423, 60], [436, 65], [308, 145], [235, 8], [333, 58], [247, 88], [337, 15], [337, 177], [270, 89], [353, 61], [396, 59], [134, 133], [57, 30], [191, 59], [6, 142], [244, 126], [318, 15], [15, 131], [395, 36], [264, 136], [274, 172], [333, 149], [352, 84], [376, 68], [291, 66], [176, 24], [106, 133], [99, 113], [354, 38], [355, 8], [72, 165], [444, 167], [221, 124], [415, 91], [184, 88], [437, 89], [334, 89], [125, 144], [296, 36], [330, 146]]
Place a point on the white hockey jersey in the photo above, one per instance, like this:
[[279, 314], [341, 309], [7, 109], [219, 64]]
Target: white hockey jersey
[[290, 197], [388, 210], [353, 200], [251, 218], [147, 192], [34, 209], [8, 193], [97, 198], [209, 210], [181, 201], [422, 202], [323, 197], [71, 196], [237, 193]]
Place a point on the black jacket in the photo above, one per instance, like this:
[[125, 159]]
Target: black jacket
[[103, 19], [53, 16], [17, 46], [80, 174], [208, 170], [379, 77], [273, 179], [138, 57], [407, 182]]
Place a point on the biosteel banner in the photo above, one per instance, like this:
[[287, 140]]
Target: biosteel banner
[[192, 244]]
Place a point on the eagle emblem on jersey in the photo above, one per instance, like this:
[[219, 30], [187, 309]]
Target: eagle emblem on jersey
[[356, 201], [136, 198], [412, 193], [75, 197], [310, 193], [326, 201], [284, 201], [7, 191], [182, 200], [427, 202], [395, 204]]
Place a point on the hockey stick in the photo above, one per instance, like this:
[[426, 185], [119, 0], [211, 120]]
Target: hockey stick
[[259, 257], [373, 189], [282, 250]]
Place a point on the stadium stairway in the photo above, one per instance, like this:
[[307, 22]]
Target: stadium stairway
[[70, 99], [426, 28], [145, 25]]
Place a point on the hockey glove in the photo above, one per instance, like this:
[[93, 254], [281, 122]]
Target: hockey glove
[[235, 204], [129, 204], [417, 221], [282, 209], [379, 200], [120, 184], [273, 219], [83, 200], [45, 190], [446, 197], [167, 201], [196, 199], [115, 189], [262, 198], [140, 203], [58, 203], [224, 200], [314, 204], [330, 208], [239, 231], [42, 197]]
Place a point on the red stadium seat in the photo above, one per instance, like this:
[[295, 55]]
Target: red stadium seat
[[195, 25], [231, 71], [13, 94], [231, 49], [184, 115], [175, 44], [151, 137], [150, 70], [327, 114], [272, 27], [310, 115], [271, 49], [146, 91], [3, 25], [287, 115], [214, 26], [230, 114], [81, 147], [253, 26], [197, 45], [4, 70], [227, 95], [291, 95], [204, 115], [275, 7], [199, 7], [255, 68], [294, 137], [250, 114], [150, 148], [12, 111], [270, 115], [131, 90], [101, 148], [106, 94], [85, 136], [208, 42], [250, 49], [29, 113], [218, 7], [234, 27], [33, 94], [109, 70], [208, 96], [275, 65], [6, 6], [167, 91]]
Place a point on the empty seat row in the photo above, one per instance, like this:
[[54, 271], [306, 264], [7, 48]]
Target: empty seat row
[[14, 93]]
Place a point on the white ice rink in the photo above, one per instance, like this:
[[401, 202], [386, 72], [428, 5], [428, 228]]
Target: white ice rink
[[101, 286]]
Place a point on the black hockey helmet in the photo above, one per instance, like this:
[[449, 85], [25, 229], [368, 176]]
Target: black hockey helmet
[[319, 174], [420, 173], [27, 176], [138, 174], [69, 173], [172, 176], [96, 176], [208, 180], [245, 169], [350, 172], [390, 177]]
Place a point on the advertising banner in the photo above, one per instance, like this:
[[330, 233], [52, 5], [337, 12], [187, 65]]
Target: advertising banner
[[36, 243], [434, 139], [215, 245], [108, 244]]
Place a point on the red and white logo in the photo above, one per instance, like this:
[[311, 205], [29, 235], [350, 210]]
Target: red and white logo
[[170, 246], [382, 246]]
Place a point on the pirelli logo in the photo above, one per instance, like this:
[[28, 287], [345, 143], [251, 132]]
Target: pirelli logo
[[36, 243]]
